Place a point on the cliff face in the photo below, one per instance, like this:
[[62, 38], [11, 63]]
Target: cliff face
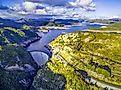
[[48, 80], [17, 69], [84, 56]]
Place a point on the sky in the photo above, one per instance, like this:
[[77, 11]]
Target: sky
[[107, 8], [66, 8]]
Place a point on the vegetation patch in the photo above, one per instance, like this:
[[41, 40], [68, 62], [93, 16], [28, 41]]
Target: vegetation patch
[[48, 80], [15, 71], [10, 35], [98, 54], [17, 68]]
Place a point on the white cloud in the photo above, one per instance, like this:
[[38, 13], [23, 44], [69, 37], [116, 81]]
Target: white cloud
[[67, 8], [41, 11], [80, 3], [6, 14], [85, 2], [29, 6], [17, 7], [74, 12], [22, 12], [56, 10], [92, 5]]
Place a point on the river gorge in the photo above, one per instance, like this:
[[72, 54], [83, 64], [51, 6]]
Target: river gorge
[[41, 52]]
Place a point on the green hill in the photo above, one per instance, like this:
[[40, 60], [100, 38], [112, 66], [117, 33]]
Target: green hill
[[98, 54]]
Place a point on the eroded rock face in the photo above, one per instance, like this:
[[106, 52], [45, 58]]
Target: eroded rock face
[[17, 69], [48, 80]]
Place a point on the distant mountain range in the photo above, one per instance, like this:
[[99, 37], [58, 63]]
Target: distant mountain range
[[34, 22], [105, 21], [18, 24], [67, 21]]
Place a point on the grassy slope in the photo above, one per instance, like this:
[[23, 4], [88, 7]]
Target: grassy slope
[[99, 54], [115, 26]]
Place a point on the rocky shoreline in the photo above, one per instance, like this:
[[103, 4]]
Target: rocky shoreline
[[27, 43], [34, 57], [41, 57]]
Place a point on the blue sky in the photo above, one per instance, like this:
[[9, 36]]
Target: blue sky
[[104, 8], [107, 8], [10, 2]]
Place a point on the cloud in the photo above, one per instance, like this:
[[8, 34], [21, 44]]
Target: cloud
[[41, 12], [63, 2], [84, 2], [80, 3], [53, 5], [51, 2], [92, 5], [7, 14], [55, 10], [86, 5], [66, 8], [17, 7], [29, 6]]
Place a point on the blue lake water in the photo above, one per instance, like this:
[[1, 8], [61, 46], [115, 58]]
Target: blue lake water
[[53, 33]]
